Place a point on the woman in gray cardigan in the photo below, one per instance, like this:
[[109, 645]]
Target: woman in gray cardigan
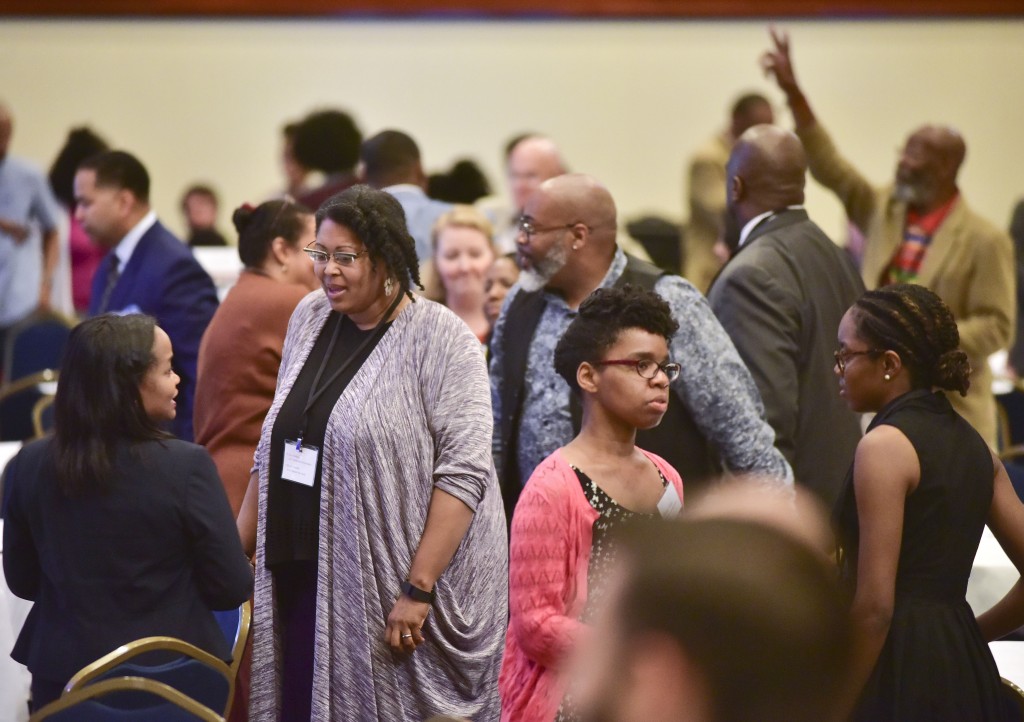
[[373, 507]]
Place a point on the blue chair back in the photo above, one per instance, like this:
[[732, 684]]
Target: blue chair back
[[35, 344], [100, 702]]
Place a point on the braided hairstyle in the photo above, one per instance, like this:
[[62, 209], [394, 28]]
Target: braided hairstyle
[[602, 317], [376, 219], [916, 324]]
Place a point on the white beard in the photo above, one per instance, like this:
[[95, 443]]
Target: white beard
[[542, 271]]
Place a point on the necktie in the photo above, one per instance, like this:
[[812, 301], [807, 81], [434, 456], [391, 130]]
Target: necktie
[[112, 275]]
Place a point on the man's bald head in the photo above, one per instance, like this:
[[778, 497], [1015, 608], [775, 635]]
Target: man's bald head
[[766, 172], [579, 198], [531, 161], [928, 166]]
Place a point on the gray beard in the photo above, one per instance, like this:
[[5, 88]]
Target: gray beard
[[906, 193], [537, 277]]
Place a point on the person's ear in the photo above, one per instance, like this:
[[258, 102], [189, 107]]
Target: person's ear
[[280, 250], [580, 235], [892, 364], [586, 377], [737, 189]]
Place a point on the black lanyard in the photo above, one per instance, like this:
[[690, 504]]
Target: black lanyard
[[314, 392]]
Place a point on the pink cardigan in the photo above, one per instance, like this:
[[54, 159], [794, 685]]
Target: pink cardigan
[[552, 532]]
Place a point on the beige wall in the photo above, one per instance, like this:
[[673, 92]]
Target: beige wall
[[626, 100]]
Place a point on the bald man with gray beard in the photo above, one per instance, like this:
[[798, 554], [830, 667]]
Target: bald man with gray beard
[[780, 298]]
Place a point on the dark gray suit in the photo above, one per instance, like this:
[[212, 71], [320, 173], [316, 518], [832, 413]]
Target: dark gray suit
[[780, 298]]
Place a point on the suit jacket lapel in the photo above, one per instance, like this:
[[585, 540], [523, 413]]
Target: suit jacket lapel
[[134, 272], [942, 246]]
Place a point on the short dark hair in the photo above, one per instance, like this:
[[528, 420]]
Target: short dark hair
[[119, 169], [602, 317], [81, 143], [328, 141], [914, 322], [465, 183], [258, 227], [98, 402], [758, 612], [199, 189], [376, 219], [389, 158], [746, 103]]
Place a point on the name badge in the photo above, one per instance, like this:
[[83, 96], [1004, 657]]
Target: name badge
[[299, 462], [670, 504]]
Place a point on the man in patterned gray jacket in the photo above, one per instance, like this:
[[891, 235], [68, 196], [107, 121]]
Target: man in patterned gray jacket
[[566, 248]]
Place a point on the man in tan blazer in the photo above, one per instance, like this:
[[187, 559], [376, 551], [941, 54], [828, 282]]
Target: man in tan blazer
[[965, 259]]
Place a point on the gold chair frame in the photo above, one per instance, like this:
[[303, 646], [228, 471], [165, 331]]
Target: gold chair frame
[[125, 652], [122, 684], [244, 626], [42, 404]]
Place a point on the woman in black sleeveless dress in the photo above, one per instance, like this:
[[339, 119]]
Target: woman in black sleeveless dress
[[921, 489]]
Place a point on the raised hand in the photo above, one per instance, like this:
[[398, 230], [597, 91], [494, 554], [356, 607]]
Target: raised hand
[[777, 62]]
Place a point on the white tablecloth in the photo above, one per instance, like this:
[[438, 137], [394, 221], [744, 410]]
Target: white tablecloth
[[992, 576]]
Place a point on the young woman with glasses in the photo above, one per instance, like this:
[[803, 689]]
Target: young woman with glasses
[[921, 489], [614, 356]]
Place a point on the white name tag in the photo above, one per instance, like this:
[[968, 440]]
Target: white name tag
[[670, 504], [299, 462]]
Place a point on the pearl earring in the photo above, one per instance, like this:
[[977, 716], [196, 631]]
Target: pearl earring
[[887, 377]]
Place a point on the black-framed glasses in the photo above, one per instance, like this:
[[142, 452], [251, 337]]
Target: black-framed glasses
[[528, 228], [843, 356], [645, 367], [342, 258]]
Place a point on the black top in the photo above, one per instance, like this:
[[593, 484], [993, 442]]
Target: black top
[[935, 664], [293, 510], [149, 557]]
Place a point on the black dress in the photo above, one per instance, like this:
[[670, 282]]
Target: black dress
[[935, 664]]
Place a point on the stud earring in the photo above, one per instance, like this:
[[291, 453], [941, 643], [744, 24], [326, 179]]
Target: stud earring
[[887, 377], [388, 286]]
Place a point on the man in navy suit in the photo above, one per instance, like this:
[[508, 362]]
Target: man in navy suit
[[148, 270]]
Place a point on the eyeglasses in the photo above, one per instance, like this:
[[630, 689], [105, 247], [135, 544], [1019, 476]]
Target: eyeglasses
[[843, 356], [645, 367], [342, 258], [528, 229]]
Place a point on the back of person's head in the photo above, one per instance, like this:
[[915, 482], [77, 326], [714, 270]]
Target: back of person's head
[[914, 322], [750, 109], [120, 170], [602, 316], [98, 402], [389, 158], [376, 218], [81, 143], [465, 183], [328, 141], [754, 612], [258, 227]]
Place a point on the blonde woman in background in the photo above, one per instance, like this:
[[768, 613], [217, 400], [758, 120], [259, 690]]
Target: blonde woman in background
[[463, 254]]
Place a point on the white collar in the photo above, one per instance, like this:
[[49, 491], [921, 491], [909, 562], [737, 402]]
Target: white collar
[[126, 247], [752, 223], [404, 188]]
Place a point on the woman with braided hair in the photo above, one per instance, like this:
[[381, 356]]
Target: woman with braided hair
[[922, 486], [381, 556]]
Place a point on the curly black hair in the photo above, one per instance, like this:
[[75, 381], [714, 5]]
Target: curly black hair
[[916, 324], [327, 140], [602, 317], [376, 219]]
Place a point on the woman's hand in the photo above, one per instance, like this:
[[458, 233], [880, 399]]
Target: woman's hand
[[404, 631]]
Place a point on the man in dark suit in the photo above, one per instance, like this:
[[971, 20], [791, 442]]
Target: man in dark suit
[[148, 270], [780, 298]]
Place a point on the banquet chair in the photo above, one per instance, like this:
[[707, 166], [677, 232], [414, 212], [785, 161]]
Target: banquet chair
[[235, 624], [164, 704], [1015, 694], [34, 344], [183, 666], [17, 399], [42, 416]]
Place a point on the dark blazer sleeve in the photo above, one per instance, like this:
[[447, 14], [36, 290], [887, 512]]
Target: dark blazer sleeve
[[186, 305], [21, 557], [763, 321], [222, 572]]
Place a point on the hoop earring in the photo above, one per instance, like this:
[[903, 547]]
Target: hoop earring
[[389, 286]]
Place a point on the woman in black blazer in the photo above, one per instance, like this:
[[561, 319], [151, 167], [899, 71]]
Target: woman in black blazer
[[115, 529]]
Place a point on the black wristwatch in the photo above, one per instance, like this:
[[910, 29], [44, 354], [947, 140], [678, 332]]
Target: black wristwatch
[[416, 594]]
